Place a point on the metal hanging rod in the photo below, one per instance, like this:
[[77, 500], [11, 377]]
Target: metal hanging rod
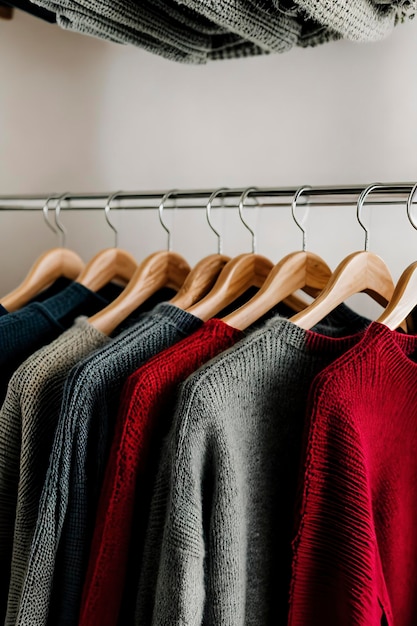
[[347, 195]]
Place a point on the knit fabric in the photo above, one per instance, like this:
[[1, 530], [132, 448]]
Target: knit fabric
[[68, 502], [25, 331], [27, 425], [218, 542], [3, 311], [147, 401], [195, 31], [355, 551], [180, 31]]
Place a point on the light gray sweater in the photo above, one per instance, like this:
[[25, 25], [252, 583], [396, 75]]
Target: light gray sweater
[[195, 31], [28, 419], [218, 542]]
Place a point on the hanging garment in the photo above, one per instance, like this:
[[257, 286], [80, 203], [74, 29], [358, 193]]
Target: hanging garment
[[354, 554], [27, 421], [179, 31], [218, 543], [25, 331], [193, 31], [146, 404], [69, 497]]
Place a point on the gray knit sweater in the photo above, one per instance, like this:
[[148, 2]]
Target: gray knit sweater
[[69, 496], [27, 424], [218, 542], [195, 31]]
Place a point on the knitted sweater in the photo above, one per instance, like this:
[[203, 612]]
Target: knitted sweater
[[180, 31], [355, 552], [218, 543], [27, 425], [194, 31], [25, 331], [147, 398], [68, 502]]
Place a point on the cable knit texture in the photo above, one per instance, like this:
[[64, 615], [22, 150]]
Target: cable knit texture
[[147, 401], [27, 424], [217, 548], [355, 551], [68, 501], [195, 31]]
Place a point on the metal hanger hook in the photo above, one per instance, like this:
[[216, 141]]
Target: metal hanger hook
[[160, 213], [409, 205], [107, 210], [45, 211], [297, 195], [243, 197], [359, 207], [216, 193], [58, 222]]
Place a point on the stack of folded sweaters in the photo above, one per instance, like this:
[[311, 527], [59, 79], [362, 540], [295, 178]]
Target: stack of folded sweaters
[[196, 31]]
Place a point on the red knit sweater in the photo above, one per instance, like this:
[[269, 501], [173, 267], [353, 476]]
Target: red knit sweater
[[355, 550], [148, 398]]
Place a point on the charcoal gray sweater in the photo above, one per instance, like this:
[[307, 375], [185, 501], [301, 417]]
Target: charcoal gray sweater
[[68, 501]]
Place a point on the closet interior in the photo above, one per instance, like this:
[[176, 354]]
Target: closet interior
[[208, 359]]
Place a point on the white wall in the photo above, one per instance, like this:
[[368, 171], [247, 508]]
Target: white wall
[[82, 114]]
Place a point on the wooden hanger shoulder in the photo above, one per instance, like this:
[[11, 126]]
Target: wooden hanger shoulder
[[50, 266], [160, 269]]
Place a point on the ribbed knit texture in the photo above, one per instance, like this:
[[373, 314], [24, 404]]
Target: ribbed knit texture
[[355, 552], [38, 323], [146, 410], [27, 424], [218, 543], [68, 502], [195, 31], [178, 31]]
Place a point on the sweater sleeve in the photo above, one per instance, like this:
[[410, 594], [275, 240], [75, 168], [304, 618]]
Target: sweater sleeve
[[10, 424], [199, 504], [336, 572]]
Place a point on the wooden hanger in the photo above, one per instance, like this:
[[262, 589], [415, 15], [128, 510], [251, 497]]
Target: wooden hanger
[[111, 264], [404, 298], [359, 272], [51, 265], [298, 270], [205, 273], [238, 275], [200, 280], [160, 269]]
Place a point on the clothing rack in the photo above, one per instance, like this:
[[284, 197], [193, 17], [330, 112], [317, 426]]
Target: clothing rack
[[346, 195]]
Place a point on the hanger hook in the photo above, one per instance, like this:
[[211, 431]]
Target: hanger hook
[[58, 222], [107, 210], [216, 193], [161, 211], [295, 199], [243, 197], [45, 210], [409, 205], [359, 207]]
